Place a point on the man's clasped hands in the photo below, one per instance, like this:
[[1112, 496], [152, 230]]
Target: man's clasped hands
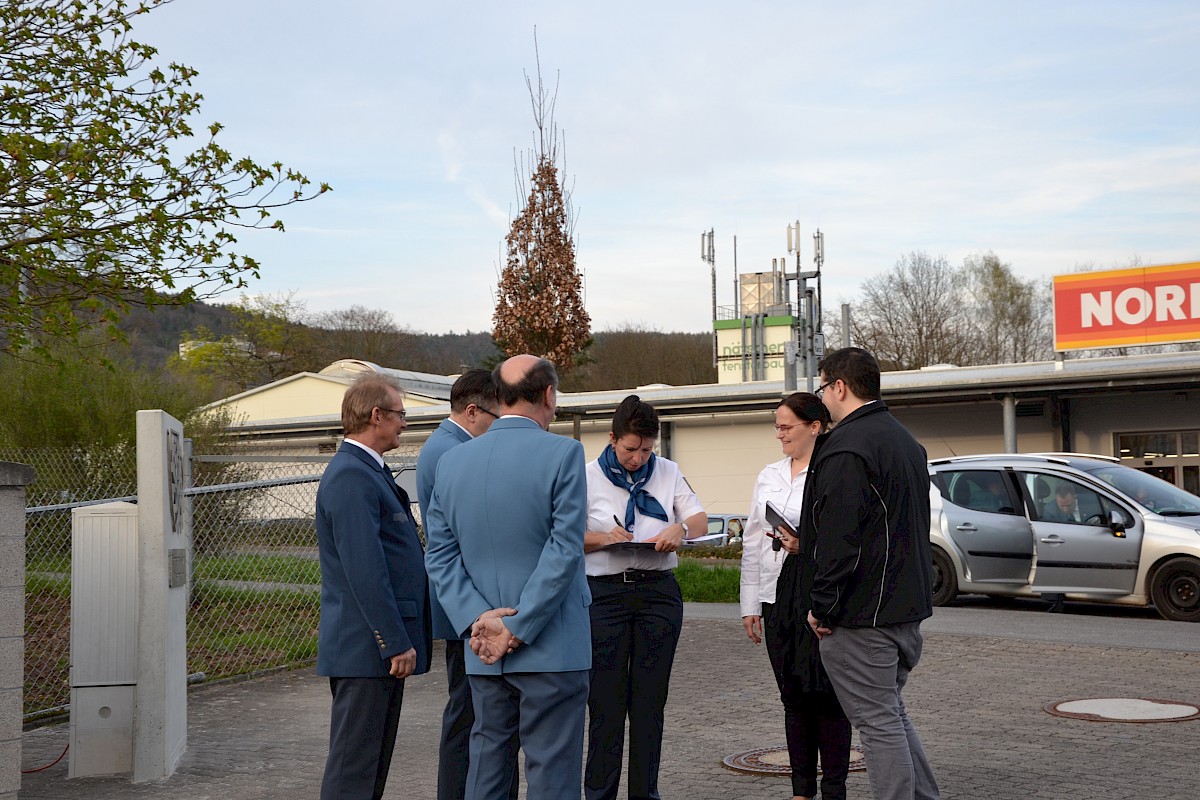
[[490, 637]]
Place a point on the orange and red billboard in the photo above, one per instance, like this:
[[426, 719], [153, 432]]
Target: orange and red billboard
[[1121, 307]]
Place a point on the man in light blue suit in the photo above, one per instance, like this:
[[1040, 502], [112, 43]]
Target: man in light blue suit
[[505, 534], [472, 400], [374, 629]]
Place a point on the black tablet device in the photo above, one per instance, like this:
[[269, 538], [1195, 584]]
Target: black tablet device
[[778, 521]]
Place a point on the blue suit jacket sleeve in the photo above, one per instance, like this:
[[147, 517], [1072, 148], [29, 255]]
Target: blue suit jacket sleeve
[[459, 598], [444, 438], [559, 562]]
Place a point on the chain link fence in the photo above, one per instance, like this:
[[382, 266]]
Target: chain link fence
[[255, 589]]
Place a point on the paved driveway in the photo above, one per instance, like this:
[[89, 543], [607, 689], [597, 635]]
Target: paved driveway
[[976, 699]]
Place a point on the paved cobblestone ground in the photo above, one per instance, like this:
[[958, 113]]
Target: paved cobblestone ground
[[976, 701]]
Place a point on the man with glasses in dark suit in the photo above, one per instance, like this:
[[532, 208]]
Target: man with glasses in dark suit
[[374, 629]]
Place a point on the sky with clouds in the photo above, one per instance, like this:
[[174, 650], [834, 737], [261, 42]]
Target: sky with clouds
[[1053, 134]]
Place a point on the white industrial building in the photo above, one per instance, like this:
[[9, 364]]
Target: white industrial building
[[1144, 409]]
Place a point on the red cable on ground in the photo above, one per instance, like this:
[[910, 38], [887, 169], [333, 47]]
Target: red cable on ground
[[51, 764]]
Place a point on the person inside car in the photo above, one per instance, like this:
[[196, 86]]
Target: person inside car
[[1064, 507], [992, 496]]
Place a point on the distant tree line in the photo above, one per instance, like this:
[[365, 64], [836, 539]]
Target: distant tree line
[[268, 338], [926, 311]]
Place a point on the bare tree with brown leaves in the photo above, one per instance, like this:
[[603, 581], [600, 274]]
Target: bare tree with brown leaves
[[539, 303]]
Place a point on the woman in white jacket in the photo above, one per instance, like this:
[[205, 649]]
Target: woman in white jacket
[[772, 601]]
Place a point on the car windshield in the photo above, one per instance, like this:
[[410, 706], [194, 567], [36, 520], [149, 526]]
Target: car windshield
[[1148, 491]]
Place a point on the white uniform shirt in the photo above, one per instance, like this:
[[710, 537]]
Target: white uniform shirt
[[668, 486], [760, 564]]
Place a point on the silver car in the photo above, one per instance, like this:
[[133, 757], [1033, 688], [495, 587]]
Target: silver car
[[722, 529], [1060, 523]]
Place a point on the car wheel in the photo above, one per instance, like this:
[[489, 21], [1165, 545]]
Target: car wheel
[[945, 581], [1175, 590]]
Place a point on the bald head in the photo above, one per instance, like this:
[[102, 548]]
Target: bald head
[[527, 385], [514, 369]]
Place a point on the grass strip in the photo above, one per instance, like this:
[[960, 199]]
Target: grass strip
[[702, 583], [258, 567]]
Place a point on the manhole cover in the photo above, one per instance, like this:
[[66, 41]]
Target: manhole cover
[[774, 761], [1123, 709]]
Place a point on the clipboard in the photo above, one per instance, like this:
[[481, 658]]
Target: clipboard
[[618, 546], [777, 520]]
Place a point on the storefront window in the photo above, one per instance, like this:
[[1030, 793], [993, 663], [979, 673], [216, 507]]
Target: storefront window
[[1191, 480], [1191, 444], [1148, 445], [1173, 456]]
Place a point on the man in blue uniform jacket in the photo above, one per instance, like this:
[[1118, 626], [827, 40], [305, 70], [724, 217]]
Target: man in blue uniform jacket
[[374, 629], [472, 409], [505, 530]]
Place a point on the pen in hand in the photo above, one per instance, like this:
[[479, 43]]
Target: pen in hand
[[620, 534]]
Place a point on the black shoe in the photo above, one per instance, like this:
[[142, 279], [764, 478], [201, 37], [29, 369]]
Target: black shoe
[[1058, 603]]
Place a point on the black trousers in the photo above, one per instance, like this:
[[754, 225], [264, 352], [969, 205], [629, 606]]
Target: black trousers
[[362, 735], [814, 723], [457, 720], [635, 629]]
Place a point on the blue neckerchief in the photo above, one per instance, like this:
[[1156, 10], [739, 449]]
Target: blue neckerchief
[[634, 483]]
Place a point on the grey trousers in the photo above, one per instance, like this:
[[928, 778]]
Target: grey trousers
[[868, 668], [547, 710], [457, 720]]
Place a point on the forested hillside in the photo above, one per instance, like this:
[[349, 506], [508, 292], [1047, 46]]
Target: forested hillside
[[285, 339]]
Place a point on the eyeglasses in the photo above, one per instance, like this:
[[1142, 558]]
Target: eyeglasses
[[821, 389], [786, 428], [488, 411], [399, 411]]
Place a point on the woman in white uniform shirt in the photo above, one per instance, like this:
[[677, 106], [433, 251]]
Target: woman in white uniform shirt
[[637, 610], [772, 596]]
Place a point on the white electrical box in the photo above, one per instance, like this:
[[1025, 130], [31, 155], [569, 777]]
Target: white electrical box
[[101, 739], [104, 638]]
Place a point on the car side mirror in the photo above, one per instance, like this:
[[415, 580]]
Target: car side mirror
[[1116, 523]]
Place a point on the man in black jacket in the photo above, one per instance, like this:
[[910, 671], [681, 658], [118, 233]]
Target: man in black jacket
[[867, 502]]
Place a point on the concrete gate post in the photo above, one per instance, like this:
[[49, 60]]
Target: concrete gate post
[[160, 717], [13, 480]]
